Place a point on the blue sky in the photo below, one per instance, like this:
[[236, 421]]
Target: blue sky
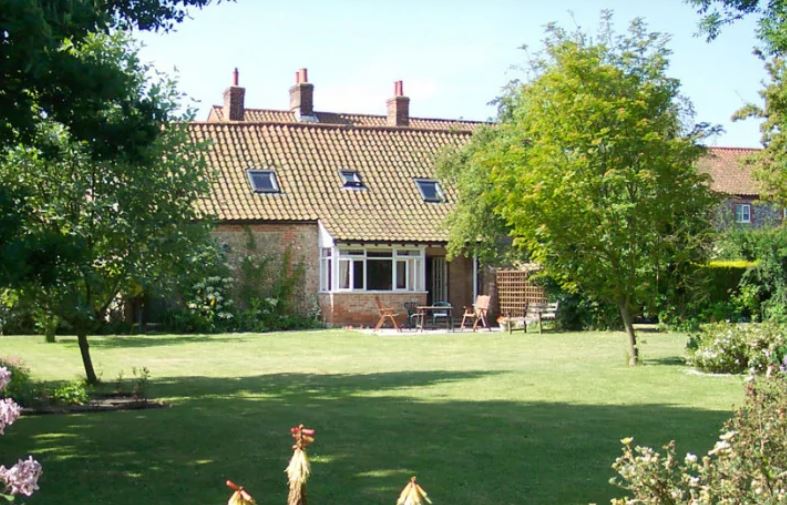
[[453, 56]]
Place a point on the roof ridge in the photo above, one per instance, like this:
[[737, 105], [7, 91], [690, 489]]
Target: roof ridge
[[240, 124], [735, 148], [366, 114]]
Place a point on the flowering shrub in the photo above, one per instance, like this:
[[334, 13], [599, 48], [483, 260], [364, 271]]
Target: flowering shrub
[[209, 304], [748, 464], [22, 478], [20, 386], [737, 348]]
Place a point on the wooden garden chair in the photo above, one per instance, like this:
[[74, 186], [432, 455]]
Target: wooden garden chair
[[477, 313], [385, 313]]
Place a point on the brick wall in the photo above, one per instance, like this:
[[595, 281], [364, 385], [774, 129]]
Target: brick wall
[[273, 240], [360, 309]]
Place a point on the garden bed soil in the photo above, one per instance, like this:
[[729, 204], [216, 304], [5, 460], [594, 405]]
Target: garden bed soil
[[103, 403]]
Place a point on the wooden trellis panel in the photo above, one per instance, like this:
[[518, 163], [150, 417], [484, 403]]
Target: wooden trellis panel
[[515, 291]]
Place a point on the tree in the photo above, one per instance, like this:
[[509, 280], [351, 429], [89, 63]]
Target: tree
[[128, 221], [771, 162], [42, 78], [590, 170]]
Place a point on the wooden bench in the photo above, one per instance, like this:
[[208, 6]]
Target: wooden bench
[[540, 312]]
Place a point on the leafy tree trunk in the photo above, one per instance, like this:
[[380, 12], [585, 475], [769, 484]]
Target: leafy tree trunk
[[84, 348], [633, 351]]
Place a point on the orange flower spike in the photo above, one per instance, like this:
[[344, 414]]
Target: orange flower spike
[[240, 495]]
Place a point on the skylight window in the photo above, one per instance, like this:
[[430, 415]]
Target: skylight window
[[351, 179], [263, 181], [430, 190]]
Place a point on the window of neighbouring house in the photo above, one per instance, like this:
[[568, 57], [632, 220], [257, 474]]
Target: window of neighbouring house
[[263, 181], [430, 190], [742, 213], [372, 269], [351, 179]]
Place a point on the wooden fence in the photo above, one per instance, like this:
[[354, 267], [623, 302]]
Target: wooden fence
[[515, 291]]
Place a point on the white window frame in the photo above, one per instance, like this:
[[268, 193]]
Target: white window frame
[[743, 217], [414, 258]]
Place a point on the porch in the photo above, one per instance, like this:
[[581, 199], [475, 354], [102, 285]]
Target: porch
[[353, 276]]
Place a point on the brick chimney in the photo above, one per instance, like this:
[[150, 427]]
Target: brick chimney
[[302, 95], [398, 107], [233, 100]]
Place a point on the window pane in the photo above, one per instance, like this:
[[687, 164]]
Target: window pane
[[263, 181], [351, 179], [401, 275], [742, 213], [429, 190], [379, 272], [325, 274], [378, 254], [344, 274], [357, 274]]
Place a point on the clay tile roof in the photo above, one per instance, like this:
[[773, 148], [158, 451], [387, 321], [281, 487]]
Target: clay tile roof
[[307, 159], [728, 171], [216, 114]]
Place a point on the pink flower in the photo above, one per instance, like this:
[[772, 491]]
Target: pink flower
[[9, 412], [22, 478], [5, 377]]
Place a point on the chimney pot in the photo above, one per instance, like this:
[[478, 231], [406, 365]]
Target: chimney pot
[[235, 77], [398, 107]]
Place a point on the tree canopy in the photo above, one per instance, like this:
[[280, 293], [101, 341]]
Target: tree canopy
[[43, 76], [590, 171]]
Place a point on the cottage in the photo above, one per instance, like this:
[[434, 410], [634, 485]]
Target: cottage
[[354, 196]]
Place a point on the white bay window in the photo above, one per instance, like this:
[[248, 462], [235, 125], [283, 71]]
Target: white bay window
[[371, 269]]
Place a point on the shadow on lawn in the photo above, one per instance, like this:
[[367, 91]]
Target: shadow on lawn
[[135, 341], [371, 437]]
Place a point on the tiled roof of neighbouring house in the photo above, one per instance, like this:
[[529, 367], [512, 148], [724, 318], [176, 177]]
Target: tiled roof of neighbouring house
[[216, 114], [728, 171], [307, 159]]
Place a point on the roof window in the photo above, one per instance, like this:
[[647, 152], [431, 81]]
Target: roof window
[[263, 181], [430, 190], [351, 179]]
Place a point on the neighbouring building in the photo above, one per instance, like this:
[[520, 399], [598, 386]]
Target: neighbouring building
[[355, 197], [733, 177]]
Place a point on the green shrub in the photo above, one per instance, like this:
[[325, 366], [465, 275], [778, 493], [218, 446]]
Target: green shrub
[[748, 464], [21, 389], [737, 348], [71, 393]]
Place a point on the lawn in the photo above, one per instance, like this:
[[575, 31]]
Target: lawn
[[480, 418]]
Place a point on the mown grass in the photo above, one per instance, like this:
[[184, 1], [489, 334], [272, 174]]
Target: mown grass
[[480, 418]]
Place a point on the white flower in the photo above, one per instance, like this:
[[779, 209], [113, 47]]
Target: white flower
[[22, 478], [720, 446], [9, 412], [728, 435], [690, 459]]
